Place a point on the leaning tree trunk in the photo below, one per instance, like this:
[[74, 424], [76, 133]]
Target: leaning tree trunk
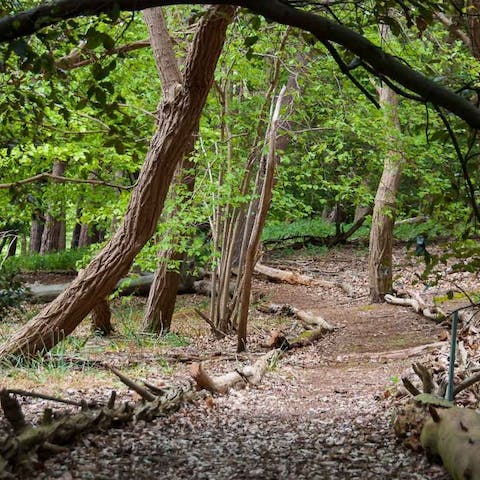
[[163, 293], [383, 217], [54, 232], [177, 120]]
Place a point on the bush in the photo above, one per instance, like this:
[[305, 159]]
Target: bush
[[64, 260]]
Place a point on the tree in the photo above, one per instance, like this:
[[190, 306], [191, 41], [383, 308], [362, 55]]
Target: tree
[[147, 200], [54, 230], [383, 218], [177, 119], [163, 292]]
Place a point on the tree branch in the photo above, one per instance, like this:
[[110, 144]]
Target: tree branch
[[74, 59], [57, 178], [324, 29]]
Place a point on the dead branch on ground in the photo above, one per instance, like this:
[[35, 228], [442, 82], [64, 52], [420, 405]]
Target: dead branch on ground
[[250, 374], [20, 448], [419, 305]]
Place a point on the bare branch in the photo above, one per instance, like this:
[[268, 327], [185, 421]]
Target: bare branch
[[59, 179], [74, 59]]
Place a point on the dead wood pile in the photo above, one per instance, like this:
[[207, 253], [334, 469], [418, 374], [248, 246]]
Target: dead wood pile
[[449, 434], [26, 444]]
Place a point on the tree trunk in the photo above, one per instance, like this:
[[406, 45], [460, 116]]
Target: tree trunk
[[76, 235], [360, 212], [473, 10], [178, 119], [36, 232], [90, 234], [264, 204], [383, 217], [53, 237], [101, 318], [12, 246], [163, 293]]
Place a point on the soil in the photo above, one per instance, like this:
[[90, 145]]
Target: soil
[[322, 413]]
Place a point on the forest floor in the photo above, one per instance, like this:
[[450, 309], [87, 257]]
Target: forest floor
[[323, 412]]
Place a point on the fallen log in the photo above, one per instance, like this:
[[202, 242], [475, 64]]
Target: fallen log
[[293, 278], [307, 319], [453, 436], [39, 293], [285, 276], [393, 354], [306, 338], [251, 374]]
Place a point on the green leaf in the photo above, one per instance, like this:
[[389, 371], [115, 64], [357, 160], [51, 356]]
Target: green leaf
[[249, 41]]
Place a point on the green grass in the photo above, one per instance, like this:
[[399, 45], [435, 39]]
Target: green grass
[[305, 226], [60, 369]]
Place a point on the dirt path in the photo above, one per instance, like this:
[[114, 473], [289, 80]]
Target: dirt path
[[319, 415]]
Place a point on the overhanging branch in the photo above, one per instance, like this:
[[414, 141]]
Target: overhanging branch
[[324, 29]]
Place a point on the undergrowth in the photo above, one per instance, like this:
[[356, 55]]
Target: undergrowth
[[63, 260]]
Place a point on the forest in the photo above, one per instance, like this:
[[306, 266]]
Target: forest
[[240, 240]]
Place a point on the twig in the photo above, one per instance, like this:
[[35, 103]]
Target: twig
[[410, 387], [425, 376], [466, 383], [25, 393], [215, 330]]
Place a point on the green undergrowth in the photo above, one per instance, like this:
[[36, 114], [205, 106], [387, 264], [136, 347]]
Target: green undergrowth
[[55, 261], [474, 296], [321, 228]]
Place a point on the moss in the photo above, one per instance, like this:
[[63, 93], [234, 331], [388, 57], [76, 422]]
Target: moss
[[455, 296]]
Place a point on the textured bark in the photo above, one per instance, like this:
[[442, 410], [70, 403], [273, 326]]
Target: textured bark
[[161, 300], [177, 120], [36, 232], [383, 217], [54, 232], [163, 294], [101, 318]]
